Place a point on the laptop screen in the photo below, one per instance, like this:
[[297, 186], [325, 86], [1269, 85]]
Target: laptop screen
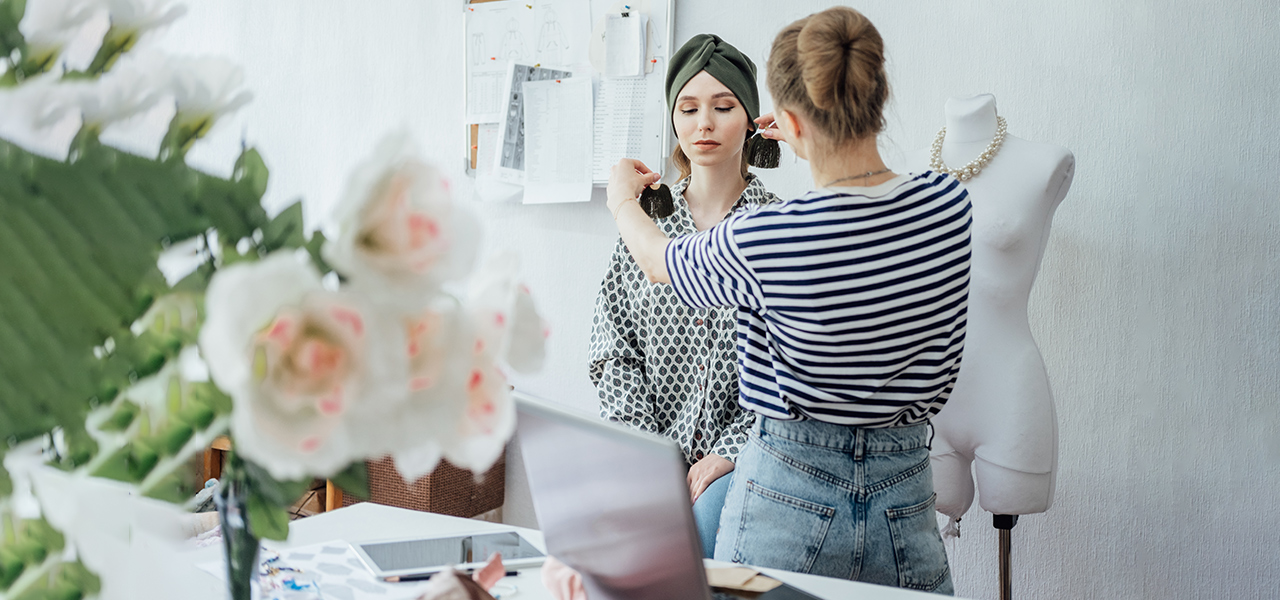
[[612, 503]]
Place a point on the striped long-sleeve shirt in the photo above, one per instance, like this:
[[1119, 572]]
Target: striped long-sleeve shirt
[[851, 302]]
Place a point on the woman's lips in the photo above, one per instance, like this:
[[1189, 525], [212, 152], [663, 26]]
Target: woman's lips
[[706, 144]]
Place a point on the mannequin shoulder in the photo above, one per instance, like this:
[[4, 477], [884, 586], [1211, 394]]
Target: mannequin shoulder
[[1053, 164]]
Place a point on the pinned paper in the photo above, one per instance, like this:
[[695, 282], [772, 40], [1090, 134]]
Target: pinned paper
[[624, 45], [558, 140]]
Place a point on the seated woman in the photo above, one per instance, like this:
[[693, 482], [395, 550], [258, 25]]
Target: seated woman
[[658, 365]]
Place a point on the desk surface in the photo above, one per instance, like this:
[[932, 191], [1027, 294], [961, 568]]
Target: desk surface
[[368, 522]]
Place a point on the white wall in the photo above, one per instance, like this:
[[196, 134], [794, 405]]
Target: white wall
[[1156, 309]]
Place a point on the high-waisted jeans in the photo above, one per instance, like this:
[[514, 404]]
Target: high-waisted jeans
[[838, 501]]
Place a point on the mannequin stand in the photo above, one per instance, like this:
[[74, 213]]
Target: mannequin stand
[[1005, 524]]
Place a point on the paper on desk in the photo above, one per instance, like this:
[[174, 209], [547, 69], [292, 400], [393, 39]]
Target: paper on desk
[[740, 578], [553, 33], [624, 48], [557, 140], [325, 570]]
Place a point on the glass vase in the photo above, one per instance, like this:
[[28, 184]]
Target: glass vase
[[239, 543]]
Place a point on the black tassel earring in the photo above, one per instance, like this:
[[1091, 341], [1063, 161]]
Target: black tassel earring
[[764, 153], [657, 202]]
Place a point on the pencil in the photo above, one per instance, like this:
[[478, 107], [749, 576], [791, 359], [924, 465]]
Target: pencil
[[426, 576]]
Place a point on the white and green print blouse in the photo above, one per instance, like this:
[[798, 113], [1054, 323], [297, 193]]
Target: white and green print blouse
[[661, 366]]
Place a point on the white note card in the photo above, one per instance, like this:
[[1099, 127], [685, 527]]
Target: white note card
[[624, 45], [558, 144], [619, 125]]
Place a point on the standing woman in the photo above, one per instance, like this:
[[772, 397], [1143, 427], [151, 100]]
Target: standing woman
[[659, 365], [851, 321]]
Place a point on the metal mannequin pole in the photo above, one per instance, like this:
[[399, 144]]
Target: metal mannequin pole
[[1005, 524]]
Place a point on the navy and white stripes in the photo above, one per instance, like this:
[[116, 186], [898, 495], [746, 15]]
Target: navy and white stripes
[[852, 303]]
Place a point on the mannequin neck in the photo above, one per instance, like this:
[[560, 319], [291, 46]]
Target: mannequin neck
[[971, 119]]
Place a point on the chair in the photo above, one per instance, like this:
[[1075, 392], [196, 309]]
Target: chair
[[447, 490]]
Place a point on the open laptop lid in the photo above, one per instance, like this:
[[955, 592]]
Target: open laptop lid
[[612, 503]]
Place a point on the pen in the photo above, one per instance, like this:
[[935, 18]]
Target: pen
[[426, 576]]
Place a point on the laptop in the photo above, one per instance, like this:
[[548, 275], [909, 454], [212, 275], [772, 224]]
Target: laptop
[[613, 504]]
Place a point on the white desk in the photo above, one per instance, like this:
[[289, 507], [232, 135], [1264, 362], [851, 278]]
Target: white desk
[[367, 522]]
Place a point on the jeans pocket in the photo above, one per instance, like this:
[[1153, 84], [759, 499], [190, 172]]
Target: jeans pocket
[[917, 546], [780, 531]]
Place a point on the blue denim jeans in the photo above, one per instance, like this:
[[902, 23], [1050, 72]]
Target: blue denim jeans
[[706, 512], [838, 501]]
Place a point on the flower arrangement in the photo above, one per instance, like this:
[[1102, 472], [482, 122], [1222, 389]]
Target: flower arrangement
[[314, 353]]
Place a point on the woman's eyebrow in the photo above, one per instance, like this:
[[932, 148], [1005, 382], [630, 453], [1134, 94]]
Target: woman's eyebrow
[[715, 97]]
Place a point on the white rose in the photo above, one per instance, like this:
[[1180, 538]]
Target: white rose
[[49, 25], [398, 230], [206, 87], [506, 316], [306, 368], [436, 345], [139, 16], [489, 419]]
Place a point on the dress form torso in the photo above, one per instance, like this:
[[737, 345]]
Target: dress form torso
[[1000, 417]]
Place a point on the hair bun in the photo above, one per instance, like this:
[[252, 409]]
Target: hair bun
[[841, 53]]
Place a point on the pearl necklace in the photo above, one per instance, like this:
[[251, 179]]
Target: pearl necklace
[[975, 166]]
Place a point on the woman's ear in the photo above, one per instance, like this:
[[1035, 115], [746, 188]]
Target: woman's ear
[[794, 131]]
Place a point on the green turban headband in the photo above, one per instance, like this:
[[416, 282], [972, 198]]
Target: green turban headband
[[706, 52]]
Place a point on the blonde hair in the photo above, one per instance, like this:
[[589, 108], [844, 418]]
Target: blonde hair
[[682, 163], [830, 66]]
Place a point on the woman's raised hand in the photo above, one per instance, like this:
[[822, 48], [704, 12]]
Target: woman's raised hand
[[768, 128], [627, 179]]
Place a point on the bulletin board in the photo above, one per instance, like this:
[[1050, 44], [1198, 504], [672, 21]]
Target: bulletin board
[[557, 91]]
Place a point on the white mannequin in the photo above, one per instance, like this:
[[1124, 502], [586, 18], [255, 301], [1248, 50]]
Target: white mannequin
[[1001, 416]]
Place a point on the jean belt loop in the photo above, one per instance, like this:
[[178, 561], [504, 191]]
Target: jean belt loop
[[859, 443]]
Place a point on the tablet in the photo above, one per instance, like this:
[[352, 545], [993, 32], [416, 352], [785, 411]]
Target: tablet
[[423, 556]]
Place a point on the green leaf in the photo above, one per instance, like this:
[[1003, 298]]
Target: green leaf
[[252, 172], [121, 418], [116, 466], [11, 567], [267, 519], [114, 44], [354, 480], [208, 394], [313, 248], [6, 483], [280, 493], [196, 414], [79, 575], [174, 438], [285, 230], [11, 39], [142, 459]]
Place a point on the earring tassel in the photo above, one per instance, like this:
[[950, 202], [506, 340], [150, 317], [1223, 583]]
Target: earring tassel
[[765, 153], [657, 202]]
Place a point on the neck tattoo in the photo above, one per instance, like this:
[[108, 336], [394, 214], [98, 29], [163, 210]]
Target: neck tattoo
[[859, 176]]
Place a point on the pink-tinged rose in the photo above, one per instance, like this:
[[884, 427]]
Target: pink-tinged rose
[[398, 229], [506, 317], [489, 418], [303, 365]]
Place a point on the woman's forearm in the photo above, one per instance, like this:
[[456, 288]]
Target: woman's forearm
[[647, 243]]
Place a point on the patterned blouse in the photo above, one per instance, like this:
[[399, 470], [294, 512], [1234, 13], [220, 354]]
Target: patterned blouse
[[661, 366]]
